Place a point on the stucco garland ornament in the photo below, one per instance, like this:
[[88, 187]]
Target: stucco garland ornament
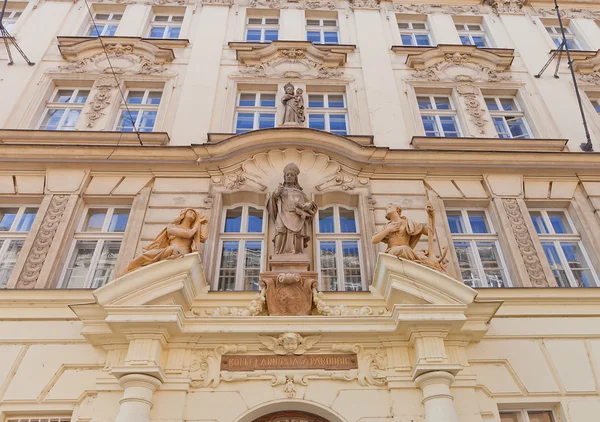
[[289, 343]]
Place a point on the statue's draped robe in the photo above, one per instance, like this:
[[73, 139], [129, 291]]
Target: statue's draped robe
[[294, 109], [290, 223]]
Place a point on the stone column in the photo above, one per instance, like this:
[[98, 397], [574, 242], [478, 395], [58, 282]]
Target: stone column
[[137, 397], [437, 399]]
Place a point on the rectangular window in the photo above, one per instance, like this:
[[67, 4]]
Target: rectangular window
[[477, 249], [328, 111], [242, 245], [338, 242], [64, 108], [322, 31], [472, 34], [15, 223], [95, 249], [596, 104], [414, 33], [166, 26], [527, 416], [255, 110], [140, 112], [106, 24], [41, 419], [438, 115], [262, 28], [508, 117], [556, 35], [563, 248], [10, 18]]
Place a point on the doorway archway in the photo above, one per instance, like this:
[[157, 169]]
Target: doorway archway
[[291, 416], [290, 410]]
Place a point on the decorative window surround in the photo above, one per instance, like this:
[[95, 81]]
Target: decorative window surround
[[15, 223]]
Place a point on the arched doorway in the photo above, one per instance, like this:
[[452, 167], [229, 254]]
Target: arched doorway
[[291, 416]]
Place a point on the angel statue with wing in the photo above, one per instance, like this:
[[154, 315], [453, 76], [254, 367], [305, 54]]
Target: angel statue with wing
[[289, 343]]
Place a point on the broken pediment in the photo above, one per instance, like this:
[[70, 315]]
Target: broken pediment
[[291, 60], [126, 55], [461, 63]]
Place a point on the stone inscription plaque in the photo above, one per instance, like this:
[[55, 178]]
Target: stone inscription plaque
[[262, 362]]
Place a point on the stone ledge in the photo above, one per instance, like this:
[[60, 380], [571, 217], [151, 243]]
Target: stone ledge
[[487, 144], [81, 137]]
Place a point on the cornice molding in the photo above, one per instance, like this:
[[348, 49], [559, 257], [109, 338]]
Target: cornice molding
[[83, 137], [487, 144]]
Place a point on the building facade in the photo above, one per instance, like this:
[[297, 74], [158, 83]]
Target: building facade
[[135, 110]]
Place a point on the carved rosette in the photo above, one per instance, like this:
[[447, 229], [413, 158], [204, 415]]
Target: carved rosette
[[470, 95], [524, 242], [100, 101], [43, 241]]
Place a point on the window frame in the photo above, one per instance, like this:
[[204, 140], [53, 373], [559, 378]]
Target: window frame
[[557, 239], [140, 108], [105, 22], [322, 29], [100, 237], [413, 32], [338, 237], [519, 113], [39, 418], [166, 25], [263, 27], [68, 106], [472, 238], [556, 35], [437, 113], [9, 20], [523, 414], [466, 32], [12, 235], [241, 237], [256, 110], [328, 111]]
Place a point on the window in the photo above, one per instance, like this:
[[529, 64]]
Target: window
[[106, 24], [509, 119], [414, 33], [563, 248], [328, 111], [338, 247], [472, 34], [438, 115], [527, 416], [556, 35], [140, 112], [322, 31], [64, 108], [255, 110], [596, 104], [15, 222], [262, 29], [10, 18], [166, 26], [95, 249], [477, 249], [242, 245], [41, 419]]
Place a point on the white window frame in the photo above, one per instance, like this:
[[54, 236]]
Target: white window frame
[[241, 237], [413, 32], [556, 34], [595, 103], [68, 106], [45, 418], [98, 236], [166, 25], [262, 26], [328, 111], [437, 113], [257, 110], [140, 108], [12, 235], [322, 29], [473, 238], [557, 239], [519, 113], [467, 32], [105, 22], [11, 16], [337, 236], [523, 414]]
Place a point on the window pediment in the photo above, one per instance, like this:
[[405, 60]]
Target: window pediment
[[127, 56]]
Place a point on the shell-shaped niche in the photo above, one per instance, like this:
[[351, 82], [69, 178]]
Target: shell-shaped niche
[[267, 168]]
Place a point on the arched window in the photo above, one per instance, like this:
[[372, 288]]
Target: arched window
[[338, 248], [241, 247]]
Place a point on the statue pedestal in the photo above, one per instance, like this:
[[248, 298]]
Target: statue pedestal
[[291, 124], [289, 263], [289, 293]]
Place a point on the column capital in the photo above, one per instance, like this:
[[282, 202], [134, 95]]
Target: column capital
[[435, 377]]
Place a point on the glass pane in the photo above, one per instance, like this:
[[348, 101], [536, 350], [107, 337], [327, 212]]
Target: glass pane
[[478, 222], [313, 36], [455, 221], [135, 97], [255, 21], [7, 218], [326, 224], [559, 222], [253, 35], [110, 30], [147, 122], [423, 39], [466, 261], [316, 121], [509, 417], [555, 265], [540, 416], [328, 266], [501, 128], [424, 103], [271, 35], [52, 119], [347, 220], [465, 40], [442, 103], [71, 120], [154, 97], [102, 16], [474, 28], [118, 221], [161, 18], [255, 220], [351, 262], [157, 31], [449, 126], [407, 39], [576, 261], [247, 100], [316, 100], [490, 260], [538, 222], [331, 37], [479, 41], [335, 101], [233, 220], [403, 25], [267, 100], [430, 126], [63, 95], [491, 103], [329, 22], [26, 220], [419, 25], [252, 265], [313, 22], [337, 124], [272, 21], [82, 95], [106, 264], [173, 33], [244, 122], [127, 120], [228, 265], [508, 104], [79, 266], [9, 260], [94, 220], [266, 120], [517, 128]]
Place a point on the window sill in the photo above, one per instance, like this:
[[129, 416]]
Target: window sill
[[487, 144], [418, 49], [80, 137], [213, 138], [577, 54]]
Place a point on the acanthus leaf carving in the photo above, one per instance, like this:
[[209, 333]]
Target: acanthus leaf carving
[[100, 101], [572, 13], [424, 9], [318, 4], [470, 93], [364, 4], [507, 6], [323, 308], [340, 179], [460, 67], [371, 366], [590, 78], [257, 306], [205, 369]]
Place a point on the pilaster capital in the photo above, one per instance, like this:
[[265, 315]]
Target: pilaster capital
[[141, 372], [140, 380], [433, 378]]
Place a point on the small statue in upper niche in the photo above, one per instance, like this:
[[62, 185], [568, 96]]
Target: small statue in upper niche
[[294, 106], [181, 237], [401, 235]]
